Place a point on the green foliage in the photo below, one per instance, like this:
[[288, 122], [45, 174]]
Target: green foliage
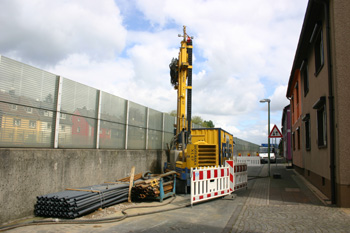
[[197, 120], [208, 124], [173, 113]]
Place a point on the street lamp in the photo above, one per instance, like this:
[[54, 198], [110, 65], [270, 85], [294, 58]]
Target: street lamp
[[268, 131]]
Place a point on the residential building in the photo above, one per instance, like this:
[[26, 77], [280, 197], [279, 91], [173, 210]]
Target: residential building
[[294, 94], [83, 128], [19, 124], [286, 132], [319, 95]]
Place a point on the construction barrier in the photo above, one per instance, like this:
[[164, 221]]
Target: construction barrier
[[250, 161], [238, 175], [213, 182], [209, 182]]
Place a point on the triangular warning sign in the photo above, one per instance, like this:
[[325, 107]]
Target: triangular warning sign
[[275, 133]]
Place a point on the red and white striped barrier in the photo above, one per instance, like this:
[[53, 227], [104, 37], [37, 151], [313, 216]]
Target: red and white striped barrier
[[249, 160], [238, 175], [209, 182]]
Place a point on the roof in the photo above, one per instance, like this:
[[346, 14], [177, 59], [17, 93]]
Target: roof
[[314, 12]]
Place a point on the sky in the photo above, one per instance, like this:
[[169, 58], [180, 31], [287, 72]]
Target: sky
[[243, 51]]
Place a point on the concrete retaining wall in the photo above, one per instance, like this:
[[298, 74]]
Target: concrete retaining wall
[[27, 173]]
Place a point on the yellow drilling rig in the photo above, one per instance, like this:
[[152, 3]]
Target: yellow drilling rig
[[192, 147]]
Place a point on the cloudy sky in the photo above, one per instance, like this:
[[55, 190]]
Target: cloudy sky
[[243, 51]]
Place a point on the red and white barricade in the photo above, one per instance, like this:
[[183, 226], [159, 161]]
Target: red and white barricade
[[238, 175], [251, 161], [209, 182]]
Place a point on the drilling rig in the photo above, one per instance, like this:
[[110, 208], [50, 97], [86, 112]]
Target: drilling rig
[[192, 147]]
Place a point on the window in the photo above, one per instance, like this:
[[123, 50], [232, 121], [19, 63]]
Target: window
[[322, 127], [306, 120], [305, 76], [48, 125], [29, 110], [13, 107], [298, 135], [320, 106], [78, 130], [32, 124], [63, 116], [293, 141], [63, 127], [319, 55], [48, 113], [296, 87], [16, 122]]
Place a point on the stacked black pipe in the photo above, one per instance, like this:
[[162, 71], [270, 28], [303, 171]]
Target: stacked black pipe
[[73, 204]]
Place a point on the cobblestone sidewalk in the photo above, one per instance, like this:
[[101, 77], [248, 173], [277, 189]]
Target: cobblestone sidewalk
[[285, 205]]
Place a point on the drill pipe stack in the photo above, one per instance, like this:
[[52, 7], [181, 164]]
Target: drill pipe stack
[[73, 203], [143, 191], [150, 188]]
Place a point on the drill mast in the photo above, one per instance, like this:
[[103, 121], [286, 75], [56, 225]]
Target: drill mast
[[181, 78]]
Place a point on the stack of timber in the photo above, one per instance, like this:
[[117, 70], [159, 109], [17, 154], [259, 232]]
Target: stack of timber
[[73, 203], [127, 179], [151, 188]]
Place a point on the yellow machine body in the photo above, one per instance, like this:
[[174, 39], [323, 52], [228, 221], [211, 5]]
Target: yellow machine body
[[199, 154], [222, 139]]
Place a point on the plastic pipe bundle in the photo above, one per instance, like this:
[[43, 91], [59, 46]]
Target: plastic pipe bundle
[[72, 203]]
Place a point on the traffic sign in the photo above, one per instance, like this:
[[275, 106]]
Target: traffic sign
[[275, 133]]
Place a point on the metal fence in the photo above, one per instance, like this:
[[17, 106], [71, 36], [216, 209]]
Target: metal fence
[[244, 147], [41, 109]]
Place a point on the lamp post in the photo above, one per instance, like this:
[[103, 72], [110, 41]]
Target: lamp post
[[268, 131]]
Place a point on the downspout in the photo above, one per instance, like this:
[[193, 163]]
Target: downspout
[[331, 103], [290, 133]]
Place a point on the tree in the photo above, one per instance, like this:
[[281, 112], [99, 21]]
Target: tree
[[208, 124], [281, 147], [197, 120], [173, 113]]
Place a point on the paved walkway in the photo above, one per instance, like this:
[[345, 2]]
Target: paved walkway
[[285, 205], [268, 205]]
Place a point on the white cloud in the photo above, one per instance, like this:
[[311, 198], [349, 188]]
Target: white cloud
[[278, 99], [107, 76], [248, 49], [46, 32], [243, 51]]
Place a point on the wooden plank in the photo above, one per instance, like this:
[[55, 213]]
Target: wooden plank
[[84, 190], [115, 182], [127, 179], [131, 182]]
